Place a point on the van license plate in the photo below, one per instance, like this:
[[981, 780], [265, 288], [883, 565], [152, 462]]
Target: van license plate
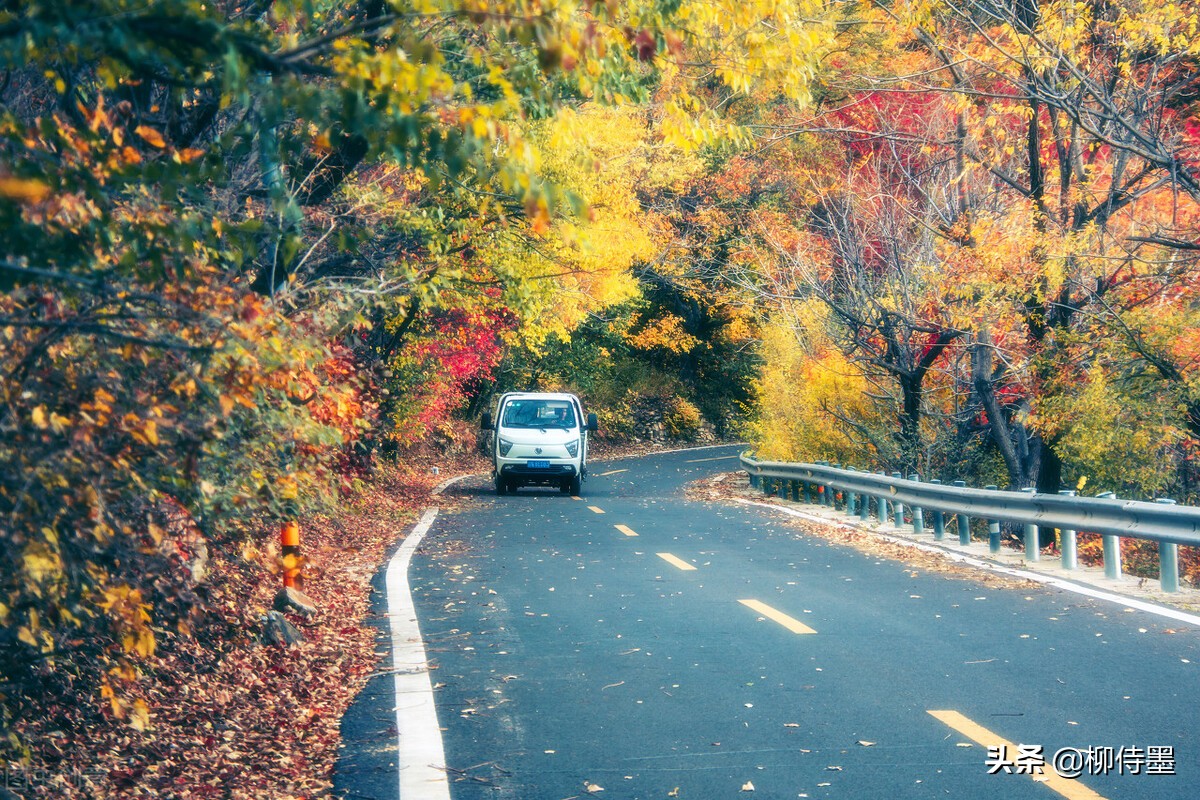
[[538, 464]]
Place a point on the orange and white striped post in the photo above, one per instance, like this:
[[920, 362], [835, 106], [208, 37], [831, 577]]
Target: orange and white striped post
[[289, 536]]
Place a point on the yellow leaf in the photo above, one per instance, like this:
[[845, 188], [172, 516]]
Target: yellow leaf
[[151, 432], [150, 136], [39, 417], [24, 191], [226, 404], [26, 636], [41, 562], [139, 715]]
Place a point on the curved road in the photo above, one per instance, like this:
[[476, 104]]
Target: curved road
[[634, 644]]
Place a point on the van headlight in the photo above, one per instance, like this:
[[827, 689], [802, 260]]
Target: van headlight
[[505, 446], [573, 448]]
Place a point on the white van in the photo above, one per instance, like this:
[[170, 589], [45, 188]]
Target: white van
[[539, 438]]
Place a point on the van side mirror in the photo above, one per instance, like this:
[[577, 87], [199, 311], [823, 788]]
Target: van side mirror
[[486, 422], [593, 424]]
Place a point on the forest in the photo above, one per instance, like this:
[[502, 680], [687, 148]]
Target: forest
[[255, 253]]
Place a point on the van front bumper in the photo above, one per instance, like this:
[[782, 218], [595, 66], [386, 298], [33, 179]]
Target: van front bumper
[[554, 472]]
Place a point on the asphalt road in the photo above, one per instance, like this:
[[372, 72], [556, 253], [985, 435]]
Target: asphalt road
[[634, 644]]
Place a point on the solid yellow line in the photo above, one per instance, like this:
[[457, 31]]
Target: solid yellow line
[[1068, 787], [597, 510], [718, 458], [612, 472], [675, 562], [791, 623], [625, 530]]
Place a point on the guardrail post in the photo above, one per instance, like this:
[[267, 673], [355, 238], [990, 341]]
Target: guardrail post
[[1168, 559], [1032, 553], [851, 498], [939, 520], [1070, 553], [918, 514], [795, 491], [806, 490], [993, 526], [964, 521], [833, 492], [897, 508], [1112, 549], [881, 505]]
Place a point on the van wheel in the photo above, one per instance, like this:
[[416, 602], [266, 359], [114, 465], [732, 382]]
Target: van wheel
[[565, 487], [501, 485], [576, 485]]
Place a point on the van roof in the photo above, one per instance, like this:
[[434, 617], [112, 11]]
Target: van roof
[[539, 395]]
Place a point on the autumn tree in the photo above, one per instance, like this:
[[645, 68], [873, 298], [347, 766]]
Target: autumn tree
[[1073, 124]]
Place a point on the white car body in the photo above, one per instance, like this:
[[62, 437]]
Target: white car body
[[539, 438]]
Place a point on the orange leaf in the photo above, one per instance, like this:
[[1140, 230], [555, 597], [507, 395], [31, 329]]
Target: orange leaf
[[150, 136]]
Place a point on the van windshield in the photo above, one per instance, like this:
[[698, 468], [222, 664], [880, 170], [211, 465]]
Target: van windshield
[[538, 414]]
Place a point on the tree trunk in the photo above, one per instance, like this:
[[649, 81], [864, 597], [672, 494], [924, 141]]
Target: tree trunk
[[1049, 481], [984, 379], [911, 395]]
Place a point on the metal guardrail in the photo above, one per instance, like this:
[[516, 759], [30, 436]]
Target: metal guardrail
[[1164, 522]]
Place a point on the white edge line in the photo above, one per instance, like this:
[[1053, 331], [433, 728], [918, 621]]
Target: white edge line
[[1169, 613], [420, 758], [667, 452], [446, 484]]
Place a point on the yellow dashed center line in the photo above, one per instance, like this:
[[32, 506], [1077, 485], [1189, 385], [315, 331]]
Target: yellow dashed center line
[[675, 562], [718, 458], [576, 497], [612, 472], [625, 530], [1067, 787], [791, 623], [597, 509]]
